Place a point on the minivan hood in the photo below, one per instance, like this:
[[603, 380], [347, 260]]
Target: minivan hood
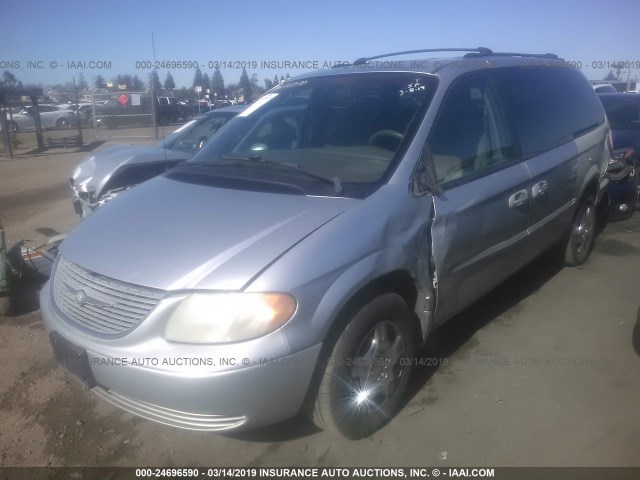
[[172, 235], [96, 170]]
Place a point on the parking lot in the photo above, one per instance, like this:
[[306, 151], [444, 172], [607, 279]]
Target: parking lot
[[542, 372]]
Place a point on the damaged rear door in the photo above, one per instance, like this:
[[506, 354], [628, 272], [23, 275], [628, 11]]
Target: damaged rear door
[[480, 219]]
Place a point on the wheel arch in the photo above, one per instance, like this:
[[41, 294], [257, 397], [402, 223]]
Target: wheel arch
[[357, 286], [396, 280]]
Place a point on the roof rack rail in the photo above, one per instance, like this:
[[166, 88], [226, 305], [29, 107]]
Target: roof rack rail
[[551, 56], [478, 50]]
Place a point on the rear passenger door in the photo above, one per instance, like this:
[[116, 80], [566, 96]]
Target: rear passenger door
[[480, 222], [551, 112]]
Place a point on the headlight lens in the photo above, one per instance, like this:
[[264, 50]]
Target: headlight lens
[[228, 317]]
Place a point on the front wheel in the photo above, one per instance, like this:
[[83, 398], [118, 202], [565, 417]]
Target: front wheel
[[367, 370], [62, 124], [580, 238]]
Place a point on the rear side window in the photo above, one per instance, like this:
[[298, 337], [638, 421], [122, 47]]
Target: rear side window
[[548, 105], [581, 110]]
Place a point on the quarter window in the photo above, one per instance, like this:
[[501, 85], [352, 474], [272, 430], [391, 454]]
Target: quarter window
[[549, 106]]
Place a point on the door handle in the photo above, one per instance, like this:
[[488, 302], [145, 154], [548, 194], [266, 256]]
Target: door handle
[[518, 198], [539, 188]]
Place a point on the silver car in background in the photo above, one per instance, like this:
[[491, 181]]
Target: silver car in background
[[305, 253], [51, 116], [106, 174]]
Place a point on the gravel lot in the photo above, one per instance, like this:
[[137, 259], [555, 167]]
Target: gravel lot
[[543, 372]]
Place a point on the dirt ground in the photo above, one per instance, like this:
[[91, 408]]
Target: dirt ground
[[543, 372]]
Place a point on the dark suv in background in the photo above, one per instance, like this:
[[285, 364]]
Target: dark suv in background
[[623, 111]]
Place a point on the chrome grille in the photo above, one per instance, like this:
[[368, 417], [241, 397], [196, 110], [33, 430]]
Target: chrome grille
[[98, 303]]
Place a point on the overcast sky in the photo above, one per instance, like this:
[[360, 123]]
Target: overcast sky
[[117, 34]]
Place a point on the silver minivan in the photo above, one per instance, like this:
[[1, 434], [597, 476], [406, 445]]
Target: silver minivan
[[303, 256]]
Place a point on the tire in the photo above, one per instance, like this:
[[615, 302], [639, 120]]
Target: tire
[[579, 241], [13, 127], [187, 116], [62, 124], [367, 369]]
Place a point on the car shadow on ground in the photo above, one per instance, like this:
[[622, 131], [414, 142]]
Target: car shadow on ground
[[456, 335], [54, 149]]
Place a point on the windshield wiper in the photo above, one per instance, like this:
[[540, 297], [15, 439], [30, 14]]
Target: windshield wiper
[[335, 181]]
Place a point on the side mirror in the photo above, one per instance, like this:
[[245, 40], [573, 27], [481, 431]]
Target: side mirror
[[423, 181]]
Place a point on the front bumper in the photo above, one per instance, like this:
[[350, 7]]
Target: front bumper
[[247, 397]]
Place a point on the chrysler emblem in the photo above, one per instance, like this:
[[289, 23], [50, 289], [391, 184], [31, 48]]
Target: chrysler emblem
[[81, 298]]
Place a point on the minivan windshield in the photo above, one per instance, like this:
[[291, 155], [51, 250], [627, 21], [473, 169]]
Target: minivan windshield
[[328, 135]]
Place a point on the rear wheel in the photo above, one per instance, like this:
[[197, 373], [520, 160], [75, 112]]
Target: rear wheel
[[580, 239], [62, 124], [366, 371]]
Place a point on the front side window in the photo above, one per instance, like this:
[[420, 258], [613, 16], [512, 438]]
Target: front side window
[[341, 134], [470, 136]]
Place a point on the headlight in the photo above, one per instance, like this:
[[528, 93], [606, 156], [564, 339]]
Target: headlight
[[228, 317]]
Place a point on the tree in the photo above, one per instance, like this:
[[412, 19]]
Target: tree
[[184, 93], [137, 84], [206, 83], [154, 81], [610, 76], [245, 84], [275, 80], [268, 84], [217, 84], [9, 80], [99, 82], [169, 83], [232, 91], [127, 81], [82, 83], [197, 78]]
